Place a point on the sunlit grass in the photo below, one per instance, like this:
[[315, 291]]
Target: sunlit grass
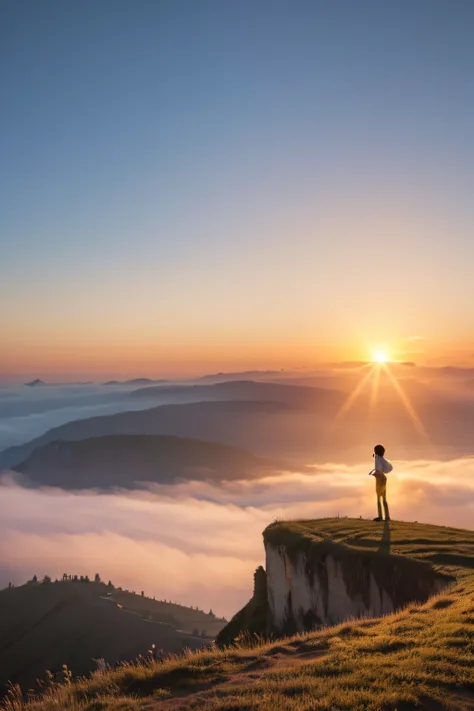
[[419, 658]]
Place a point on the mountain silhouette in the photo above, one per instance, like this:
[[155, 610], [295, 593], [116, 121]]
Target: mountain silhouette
[[127, 460], [37, 383]]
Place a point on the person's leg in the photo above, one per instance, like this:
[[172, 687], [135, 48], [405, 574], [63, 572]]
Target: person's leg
[[379, 507], [385, 506], [378, 492]]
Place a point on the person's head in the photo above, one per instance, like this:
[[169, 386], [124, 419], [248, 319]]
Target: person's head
[[379, 449]]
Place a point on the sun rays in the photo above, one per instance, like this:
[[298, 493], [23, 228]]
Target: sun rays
[[349, 402], [381, 365], [407, 404], [375, 388]]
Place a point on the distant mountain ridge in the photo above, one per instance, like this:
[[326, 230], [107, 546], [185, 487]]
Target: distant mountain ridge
[[37, 383], [296, 395], [240, 414], [127, 460], [135, 381], [295, 423]]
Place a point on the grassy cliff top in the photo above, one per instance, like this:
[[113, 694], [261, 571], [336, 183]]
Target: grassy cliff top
[[438, 545], [420, 658]]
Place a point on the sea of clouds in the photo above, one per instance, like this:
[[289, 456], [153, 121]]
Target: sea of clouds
[[197, 543]]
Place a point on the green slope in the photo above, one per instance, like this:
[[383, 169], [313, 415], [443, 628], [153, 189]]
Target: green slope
[[421, 657]]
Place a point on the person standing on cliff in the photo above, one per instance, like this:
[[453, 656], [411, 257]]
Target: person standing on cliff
[[381, 469]]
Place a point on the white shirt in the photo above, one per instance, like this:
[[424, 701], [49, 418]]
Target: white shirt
[[382, 465]]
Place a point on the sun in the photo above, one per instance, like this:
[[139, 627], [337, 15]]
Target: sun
[[380, 357]]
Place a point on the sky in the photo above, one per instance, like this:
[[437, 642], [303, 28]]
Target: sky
[[195, 186]]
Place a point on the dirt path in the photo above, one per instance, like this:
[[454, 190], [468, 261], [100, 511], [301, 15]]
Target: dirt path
[[277, 659]]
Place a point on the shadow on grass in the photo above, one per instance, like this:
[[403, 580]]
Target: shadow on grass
[[384, 546], [463, 561], [442, 604]]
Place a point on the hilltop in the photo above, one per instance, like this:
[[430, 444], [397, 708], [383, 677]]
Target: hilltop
[[125, 460], [419, 657], [44, 625]]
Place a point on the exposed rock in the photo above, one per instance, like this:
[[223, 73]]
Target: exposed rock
[[316, 587], [253, 618]]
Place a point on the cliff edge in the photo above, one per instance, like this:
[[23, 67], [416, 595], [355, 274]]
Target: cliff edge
[[327, 571]]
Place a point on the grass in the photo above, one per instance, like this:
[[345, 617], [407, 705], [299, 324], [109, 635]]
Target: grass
[[421, 657]]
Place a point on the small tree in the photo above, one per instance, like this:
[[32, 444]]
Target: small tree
[[34, 579], [97, 578], [46, 579]]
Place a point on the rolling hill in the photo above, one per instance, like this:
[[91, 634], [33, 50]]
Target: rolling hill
[[46, 625], [127, 460]]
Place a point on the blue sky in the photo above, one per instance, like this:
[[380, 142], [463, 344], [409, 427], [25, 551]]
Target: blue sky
[[212, 176]]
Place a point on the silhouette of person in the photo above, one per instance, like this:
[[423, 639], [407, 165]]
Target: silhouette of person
[[381, 469]]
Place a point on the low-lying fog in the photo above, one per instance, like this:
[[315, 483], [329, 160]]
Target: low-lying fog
[[26, 412], [198, 543]]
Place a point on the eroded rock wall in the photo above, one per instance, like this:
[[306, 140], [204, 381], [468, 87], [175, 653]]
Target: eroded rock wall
[[307, 589]]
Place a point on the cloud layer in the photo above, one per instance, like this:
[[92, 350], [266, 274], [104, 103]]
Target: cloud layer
[[199, 543]]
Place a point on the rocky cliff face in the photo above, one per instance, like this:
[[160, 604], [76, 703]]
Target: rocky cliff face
[[310, 588], [311, 580], [251, 619]]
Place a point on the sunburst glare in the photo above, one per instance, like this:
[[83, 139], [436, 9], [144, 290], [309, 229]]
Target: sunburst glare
[[380, 363], [352, 397], [380, 356], [407, 404]]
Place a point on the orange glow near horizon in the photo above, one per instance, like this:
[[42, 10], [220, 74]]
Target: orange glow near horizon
[[106, 354]]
